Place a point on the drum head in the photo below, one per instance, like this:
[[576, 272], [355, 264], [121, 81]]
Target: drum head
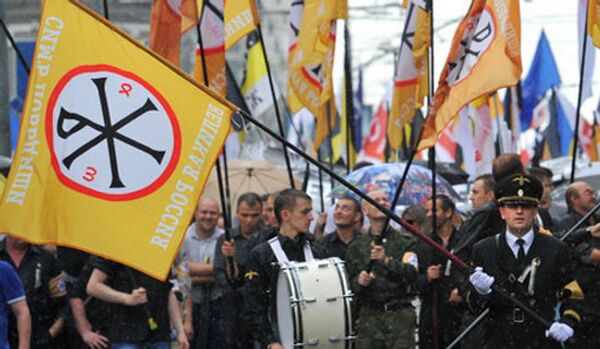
[[285, 314]]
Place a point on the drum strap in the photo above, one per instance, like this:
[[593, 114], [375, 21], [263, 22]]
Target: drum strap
[[280, 254]]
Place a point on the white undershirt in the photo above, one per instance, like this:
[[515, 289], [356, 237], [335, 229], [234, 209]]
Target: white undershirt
[[511, 240]]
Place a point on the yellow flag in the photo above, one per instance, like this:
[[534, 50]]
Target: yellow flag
[[312, 83], [410, 80], [485, 56], [2, 183], [241, 18], [315, 31], [115, 144], [593, 21]]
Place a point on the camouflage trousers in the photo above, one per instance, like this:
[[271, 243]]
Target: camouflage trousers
[[386, 330]]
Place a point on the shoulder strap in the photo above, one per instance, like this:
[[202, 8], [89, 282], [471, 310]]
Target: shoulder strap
[[278, 250], [280, 254]]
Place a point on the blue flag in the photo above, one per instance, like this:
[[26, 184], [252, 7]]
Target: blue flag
[[542, 76]]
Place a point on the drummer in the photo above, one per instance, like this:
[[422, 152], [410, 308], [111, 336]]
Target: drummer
[[293, 210]]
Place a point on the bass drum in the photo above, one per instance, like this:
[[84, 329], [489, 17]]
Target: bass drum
[[314, 305]]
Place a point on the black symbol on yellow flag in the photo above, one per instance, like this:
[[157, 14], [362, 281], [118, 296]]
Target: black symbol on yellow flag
[[109, 132]]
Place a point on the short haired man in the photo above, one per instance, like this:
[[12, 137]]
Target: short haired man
[[268, 211], [544, 175], [346, 215], [230, 277], [580, 198], [487, 221], [441, 304], [45, 289], [482, 191], [293, 210], [384, 293], [531, 266], [202, 236]]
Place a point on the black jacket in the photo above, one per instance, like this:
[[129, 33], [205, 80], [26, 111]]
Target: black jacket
[[554, 272], [260, 284]]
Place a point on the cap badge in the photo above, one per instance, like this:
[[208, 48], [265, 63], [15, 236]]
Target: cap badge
[[520, 192]]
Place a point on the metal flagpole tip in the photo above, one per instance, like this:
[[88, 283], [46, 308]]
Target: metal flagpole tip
[[237, 121]]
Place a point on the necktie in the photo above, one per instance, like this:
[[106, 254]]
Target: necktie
[[521, 252]]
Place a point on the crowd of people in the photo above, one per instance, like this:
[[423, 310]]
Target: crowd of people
[[220, 293]]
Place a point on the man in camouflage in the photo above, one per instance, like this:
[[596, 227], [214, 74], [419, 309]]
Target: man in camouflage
[[383, 273]]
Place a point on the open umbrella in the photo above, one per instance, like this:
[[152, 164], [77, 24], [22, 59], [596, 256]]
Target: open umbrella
[[257, 176], [416, 189], [451, 172]]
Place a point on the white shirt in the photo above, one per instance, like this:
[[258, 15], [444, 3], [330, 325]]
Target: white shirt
[[511, 240]]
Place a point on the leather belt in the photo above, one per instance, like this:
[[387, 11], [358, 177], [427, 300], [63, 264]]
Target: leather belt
[[387, 307]]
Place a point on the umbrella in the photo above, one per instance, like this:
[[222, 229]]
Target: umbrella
[[416, 189], [451, 172], [257, 176]]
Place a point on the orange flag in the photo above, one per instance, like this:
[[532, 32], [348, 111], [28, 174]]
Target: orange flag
[[165, 29], [485, 56], [168, 19]]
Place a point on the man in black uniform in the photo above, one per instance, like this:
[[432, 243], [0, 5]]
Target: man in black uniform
[[230, 278], [532, 266], [142, 307], [441, 303], [87, 325], [293, 210], [45, 290], [346, 214]]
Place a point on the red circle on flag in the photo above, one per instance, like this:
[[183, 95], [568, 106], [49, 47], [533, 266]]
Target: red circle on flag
[[64, 120]]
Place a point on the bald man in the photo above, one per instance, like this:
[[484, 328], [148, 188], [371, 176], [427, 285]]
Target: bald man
[[201, 237]]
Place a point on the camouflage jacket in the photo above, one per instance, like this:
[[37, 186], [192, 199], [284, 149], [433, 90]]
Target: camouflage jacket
[[395, 280]]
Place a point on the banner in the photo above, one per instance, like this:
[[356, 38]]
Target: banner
[[310, 59], [593, 21], [410, 80], [213, 48], [255, 87], [485, 55], [115, 145], [165, 29], [241, 19]]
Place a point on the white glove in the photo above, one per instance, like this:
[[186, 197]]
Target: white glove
[[559, 332], [481, 281]]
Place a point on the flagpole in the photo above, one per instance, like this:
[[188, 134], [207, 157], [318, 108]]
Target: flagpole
[[349, 93], [105, 3], [499, 124], [320, 182], [218, 161], [286, 156], [391, 215], [15, 47], [429, 103], [579, 95], [329, 111]]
